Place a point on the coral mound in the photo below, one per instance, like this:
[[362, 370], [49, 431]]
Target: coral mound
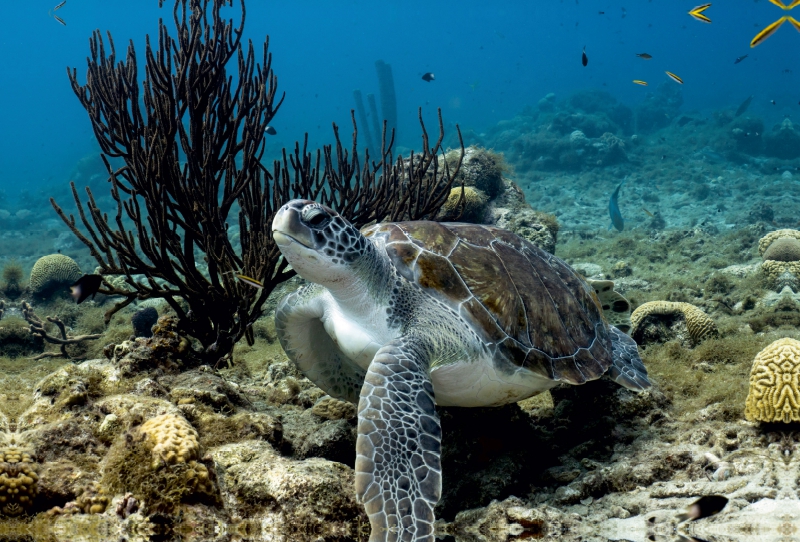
[[765, 243], [53, 271], [473, 208], [699, 325], [774, 394], [18, 481], [171, 439], [480, 168], [781, 252]]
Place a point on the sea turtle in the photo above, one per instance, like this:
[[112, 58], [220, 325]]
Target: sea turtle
[[401, 316]]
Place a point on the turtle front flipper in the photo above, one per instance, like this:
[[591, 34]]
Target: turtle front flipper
[[626, 368], [303, 337], [398, 466]]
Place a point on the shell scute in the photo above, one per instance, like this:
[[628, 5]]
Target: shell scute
[[473, 310], [432, 236], [472, 233], [485, 275], [437, 273]]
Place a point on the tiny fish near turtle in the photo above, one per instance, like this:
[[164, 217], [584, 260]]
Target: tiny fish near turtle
[[402, 316]]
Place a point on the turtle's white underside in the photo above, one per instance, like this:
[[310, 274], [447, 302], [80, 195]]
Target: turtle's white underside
[[464, 383]]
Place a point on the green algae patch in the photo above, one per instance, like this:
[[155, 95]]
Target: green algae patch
[[716, 371]]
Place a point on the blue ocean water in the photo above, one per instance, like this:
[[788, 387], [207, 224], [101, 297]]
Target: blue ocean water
[[490, 61], [685, 185]]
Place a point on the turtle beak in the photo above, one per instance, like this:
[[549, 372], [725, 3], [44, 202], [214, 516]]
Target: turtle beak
[[287, 228]]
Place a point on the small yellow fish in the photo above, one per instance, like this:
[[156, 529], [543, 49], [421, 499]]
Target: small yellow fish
[[648, 213], [784, 6], [640, 82], [697, 12], [768, 31], [249, 281], [675, 77]]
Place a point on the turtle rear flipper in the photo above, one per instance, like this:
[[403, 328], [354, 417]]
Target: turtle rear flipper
[[398, 465], [626, 368]]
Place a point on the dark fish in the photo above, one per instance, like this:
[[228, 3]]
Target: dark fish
[[613, 210], [739, 59], [428, 77], [772, 102], [86, 286], [644, 56], [601, 12], [704, 507], [744, 106], [651, 215], [270, 130], [59, 19], [61, 5], [584, 58]]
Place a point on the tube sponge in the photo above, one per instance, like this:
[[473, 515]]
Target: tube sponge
[[388, 97]]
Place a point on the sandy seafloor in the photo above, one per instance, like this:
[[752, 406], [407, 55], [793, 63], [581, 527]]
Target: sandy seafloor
[[589, 462]]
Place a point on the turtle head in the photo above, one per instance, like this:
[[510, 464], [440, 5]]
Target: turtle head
[[319, 244]]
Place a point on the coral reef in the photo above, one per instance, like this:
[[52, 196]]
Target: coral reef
[[52, 272], [698, 324], [774, 394], [17, 339], [783, 142], [18, 480], [167, 349], [12, 285]]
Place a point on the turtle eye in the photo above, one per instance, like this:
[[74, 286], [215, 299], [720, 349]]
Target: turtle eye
[[313, 215]]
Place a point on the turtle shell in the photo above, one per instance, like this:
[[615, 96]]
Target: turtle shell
[[529, 304]]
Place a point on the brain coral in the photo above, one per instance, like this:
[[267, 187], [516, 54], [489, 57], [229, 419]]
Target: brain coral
[[474, 205], [780, 274], [774, 394], [18, 481], [171, 439], [786, 249], [53, 271], [699, 325], [765, 242]]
